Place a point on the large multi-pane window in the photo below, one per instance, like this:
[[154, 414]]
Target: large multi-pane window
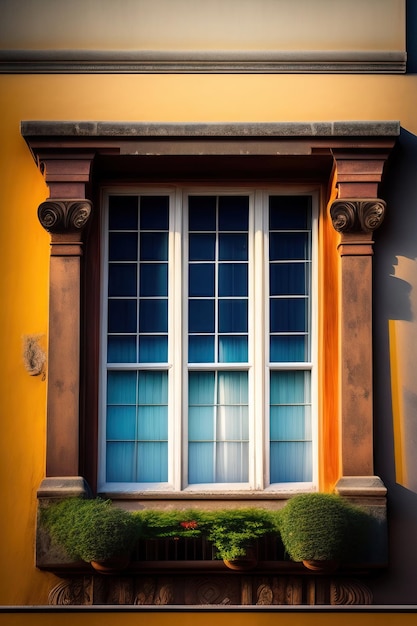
[[208, 340]]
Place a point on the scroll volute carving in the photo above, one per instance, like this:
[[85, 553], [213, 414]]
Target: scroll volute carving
[[64, 216], [350, 216]]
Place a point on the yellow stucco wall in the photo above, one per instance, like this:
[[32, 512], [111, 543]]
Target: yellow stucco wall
[[25, 250]]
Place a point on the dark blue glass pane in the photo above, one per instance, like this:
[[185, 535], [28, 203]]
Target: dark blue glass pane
[[201, 279], [201, 316], [287, 279], [201, 349], [287, 315], [291, 462], [288, 246], [233, 349], [120, 462], [202, 213], [202, 247], [153, 316], [233, 279], [154, 246], [233, 247], [122, 316], [123, 246], [122, 279], [153, 349], [201, 388], [154, 212], [123, 213], [121, 349], [233, 316], [284, 349], [289, 212], [121, 388], [233, 212], [154, 279]]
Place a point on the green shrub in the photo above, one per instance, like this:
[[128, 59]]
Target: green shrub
[[164, 524], [322, 527]]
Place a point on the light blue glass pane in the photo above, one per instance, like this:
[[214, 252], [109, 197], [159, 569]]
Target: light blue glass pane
[[233, 349], [233, 316], [153, 316], [153, 349], [289, 423], [291, 387], [153, 388], [200, 463], [154, 212], [233, 279], [201, 349], [154, 279], [201, 423], [154, 246], [291, 462], [285, 349], [121, 349], [232, 388], [152, 462], [233, 247], [121, 316], [232, 423], [289, 246], [202, 247], [233, 212], [201, 388], [202, 213], [153, 423], [201, 316], [120, 462], [123, 213], [232, 463], [289, 212], [121, 422], [287, 315], [122, 279], [201, 279], [121, 388], [287, 279], [123, 246]]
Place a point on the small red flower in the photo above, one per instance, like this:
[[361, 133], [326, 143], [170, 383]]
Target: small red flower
[[189, 525]]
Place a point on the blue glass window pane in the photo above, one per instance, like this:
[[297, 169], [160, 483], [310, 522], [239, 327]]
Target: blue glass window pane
[[201, 349], [201, 423], [291, 462], [233, 316], [154, 212], [232, 462], [120, 462], [232, 423], [152, 462], [201, 316], [153, 349], [233, 212], [232, 388], [122, 316], [121, 422], [287, 279], [202, 247], [154, 279], [123, 246], [153, 316], [292, 387], [288, 246], [123, 213], [289, 423], [122, 279], [202, 213], [233, 279], [233, 247], [201, 279], [288, 349], [154, 246], [201, 389], [287, 315], [200, 463], [290, 212], [233, 349], [153, 388], [152, 423], [121, 388], [121, 349]]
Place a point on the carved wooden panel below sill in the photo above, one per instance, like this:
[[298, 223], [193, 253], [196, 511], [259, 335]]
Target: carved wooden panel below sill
[[210, 590]]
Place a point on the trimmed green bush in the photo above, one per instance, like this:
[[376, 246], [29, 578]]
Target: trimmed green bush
[[164, 524], [322, 527]]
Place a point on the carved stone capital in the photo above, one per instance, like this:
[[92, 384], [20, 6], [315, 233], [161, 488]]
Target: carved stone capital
[[64, 216], [363, 215]]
